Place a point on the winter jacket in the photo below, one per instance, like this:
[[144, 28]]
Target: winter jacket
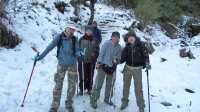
[[97, 34], [109, 53], [65, 55], [91, 48], [135, 55]]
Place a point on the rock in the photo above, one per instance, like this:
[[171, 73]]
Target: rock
[[149, 47], [75, 19], [184, 53], [171, 30], [166, 104], [110, 21], [8, 39], [189, 90], [190, 55], [163, 59], [194, 29], [183, 43], [178, 106], [137, 25]]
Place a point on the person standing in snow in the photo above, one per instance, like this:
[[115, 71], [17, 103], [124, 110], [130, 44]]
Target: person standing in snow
[[87, 42], [107, 61], [67, 53], [98, 39], [136, 57]]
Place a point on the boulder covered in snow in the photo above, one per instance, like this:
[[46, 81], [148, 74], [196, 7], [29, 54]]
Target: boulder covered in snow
[[170, 30], [194, 29], [186, 53]]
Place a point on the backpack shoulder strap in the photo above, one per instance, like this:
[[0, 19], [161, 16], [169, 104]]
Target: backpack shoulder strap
[[59, 43], [74, 45]]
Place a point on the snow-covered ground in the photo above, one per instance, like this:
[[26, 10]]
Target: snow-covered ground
[[37, 27]]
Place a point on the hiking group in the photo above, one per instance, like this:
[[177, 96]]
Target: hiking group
[[85, 55]]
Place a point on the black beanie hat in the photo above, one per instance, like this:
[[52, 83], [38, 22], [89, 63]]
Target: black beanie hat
[[116, 34]]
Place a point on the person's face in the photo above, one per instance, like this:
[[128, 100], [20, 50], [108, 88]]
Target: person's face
[[131, 40], [115, 40], [94, 25], [88, 33], [71, 30]]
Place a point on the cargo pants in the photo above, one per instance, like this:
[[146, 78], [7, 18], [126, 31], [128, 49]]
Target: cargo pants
[[135, 73], [101, 76], [59, 78]]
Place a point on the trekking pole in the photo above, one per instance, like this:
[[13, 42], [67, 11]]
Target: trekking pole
[[148, 90], [113, 88], [82, 65], [77, 80], [34, 64], [92, 75]]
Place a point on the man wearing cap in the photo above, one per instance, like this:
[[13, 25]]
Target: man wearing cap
[[109, 57], [67, 53]]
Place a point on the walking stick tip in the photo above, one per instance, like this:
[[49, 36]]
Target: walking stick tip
[[22, 105]]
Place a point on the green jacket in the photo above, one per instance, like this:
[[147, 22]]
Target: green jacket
[[92, 48]]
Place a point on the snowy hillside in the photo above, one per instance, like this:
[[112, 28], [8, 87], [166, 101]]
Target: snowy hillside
[[37, 26]]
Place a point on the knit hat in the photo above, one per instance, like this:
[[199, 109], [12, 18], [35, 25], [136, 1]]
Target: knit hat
[[72, 26], [116, 34], [88, 28], [130, 34]]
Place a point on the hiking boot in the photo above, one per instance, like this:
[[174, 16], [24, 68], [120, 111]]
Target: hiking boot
[[108, 102], [141, 109], [93, 104], [70, 109], [69, 106], [89, 92], [53, 110], [80, 93], [123, 106]]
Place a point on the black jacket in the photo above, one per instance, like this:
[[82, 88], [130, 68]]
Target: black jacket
[[135, 55]]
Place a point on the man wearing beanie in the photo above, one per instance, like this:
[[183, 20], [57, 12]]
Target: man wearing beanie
[[85, 65], [107, 61]]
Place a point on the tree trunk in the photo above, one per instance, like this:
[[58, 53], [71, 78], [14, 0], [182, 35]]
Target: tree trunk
[[76, 5], [92, 9], [3, 4]]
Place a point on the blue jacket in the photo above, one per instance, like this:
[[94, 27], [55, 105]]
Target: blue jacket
[[109, 53], [65, 55]]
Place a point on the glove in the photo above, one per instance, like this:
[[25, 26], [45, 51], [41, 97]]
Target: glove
[[148, 66], [80, 58], [115, 60], [82, 51], [98, 65], [37, 58]]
